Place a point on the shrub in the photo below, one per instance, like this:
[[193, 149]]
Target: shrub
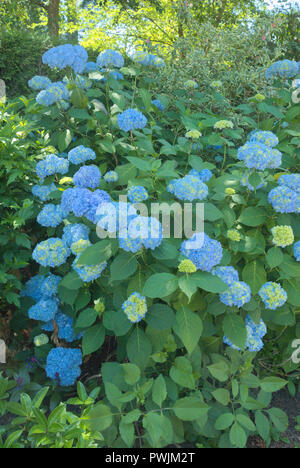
[[175, 329]]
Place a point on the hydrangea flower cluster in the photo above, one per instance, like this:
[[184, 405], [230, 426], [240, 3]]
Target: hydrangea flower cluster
[[255, 333], [205, 175], [88, 273], [110, 58], [131, 119], [52, 252], [233, 235], [55, 92], [65, 325], [90, 67], [186, 266], [39, 83], [222, 124], [141, 232], [158, 104], [297, 251], [283, 69], [282, 236], [63, 365], [83, 202], [116, 75], [203, 251], [256, 155], [267, 138], [137, 194], [191, 84], [81, 154], [43, 191], [75, 232], [284, 199], [135, 307], [87, 177], [43, 290], [290, 180], [238, 293], [66, 55], [111, 176], [51, 215], [149, 60], [273, 295], [189, 188], [51, 165]]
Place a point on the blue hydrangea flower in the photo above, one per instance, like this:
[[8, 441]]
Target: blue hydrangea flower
[[284, 200], [297, 251], [189, 188], [282, 68], [52, 252], [98, 198], [49, 285], [75, 232], [110, 58], [227, 274], [238, 294], [51, 165], [63, 365], [273, 295], [142, 231], [255, 333], [131, 119], [137, 194], [158, 104], [87, 177], [81, 154], [51, 215], [116, 75], [33, 288], [259, 156], [267, 138], [111, 176], [44, 98], [88, 273], [205, 175], [43, 310], [90, 67], [65, 326], [66, 55], [39, 83], [43, 191], [53, 93], [114, 216], [203, 251], [290, 180], [135, 307]]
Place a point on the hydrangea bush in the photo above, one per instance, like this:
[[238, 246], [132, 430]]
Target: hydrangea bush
[[179, 320]]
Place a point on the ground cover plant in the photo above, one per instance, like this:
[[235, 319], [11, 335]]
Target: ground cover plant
[[167, 338]]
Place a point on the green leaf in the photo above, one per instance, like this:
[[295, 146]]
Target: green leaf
[[274, 257], [160, 285], [190, 409], [253, 217], [209, 282], [71, 281], [188, 327], [224, 421], [222, 396], [262, 425], [188, 286], [160, 317], [96, 253], [235, 330], [246, 422], [254, 274], [219, 371], [159, 390], [238, 436], [166, 251], [86, 318], [64, 140], [292, 287], [132, 373], [123, 266], [279, 419], [99, 418], [212, 213], [182, 373], [93, 339], [116, 322], [139, 348], [272, 384]]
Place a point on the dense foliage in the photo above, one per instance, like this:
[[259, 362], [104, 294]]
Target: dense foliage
[[172, 341]]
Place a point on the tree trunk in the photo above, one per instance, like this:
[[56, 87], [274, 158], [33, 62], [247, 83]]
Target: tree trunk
[[53, 18]]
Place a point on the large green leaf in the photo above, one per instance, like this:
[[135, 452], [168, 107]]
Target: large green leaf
[[160, 285], [188, 327]]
